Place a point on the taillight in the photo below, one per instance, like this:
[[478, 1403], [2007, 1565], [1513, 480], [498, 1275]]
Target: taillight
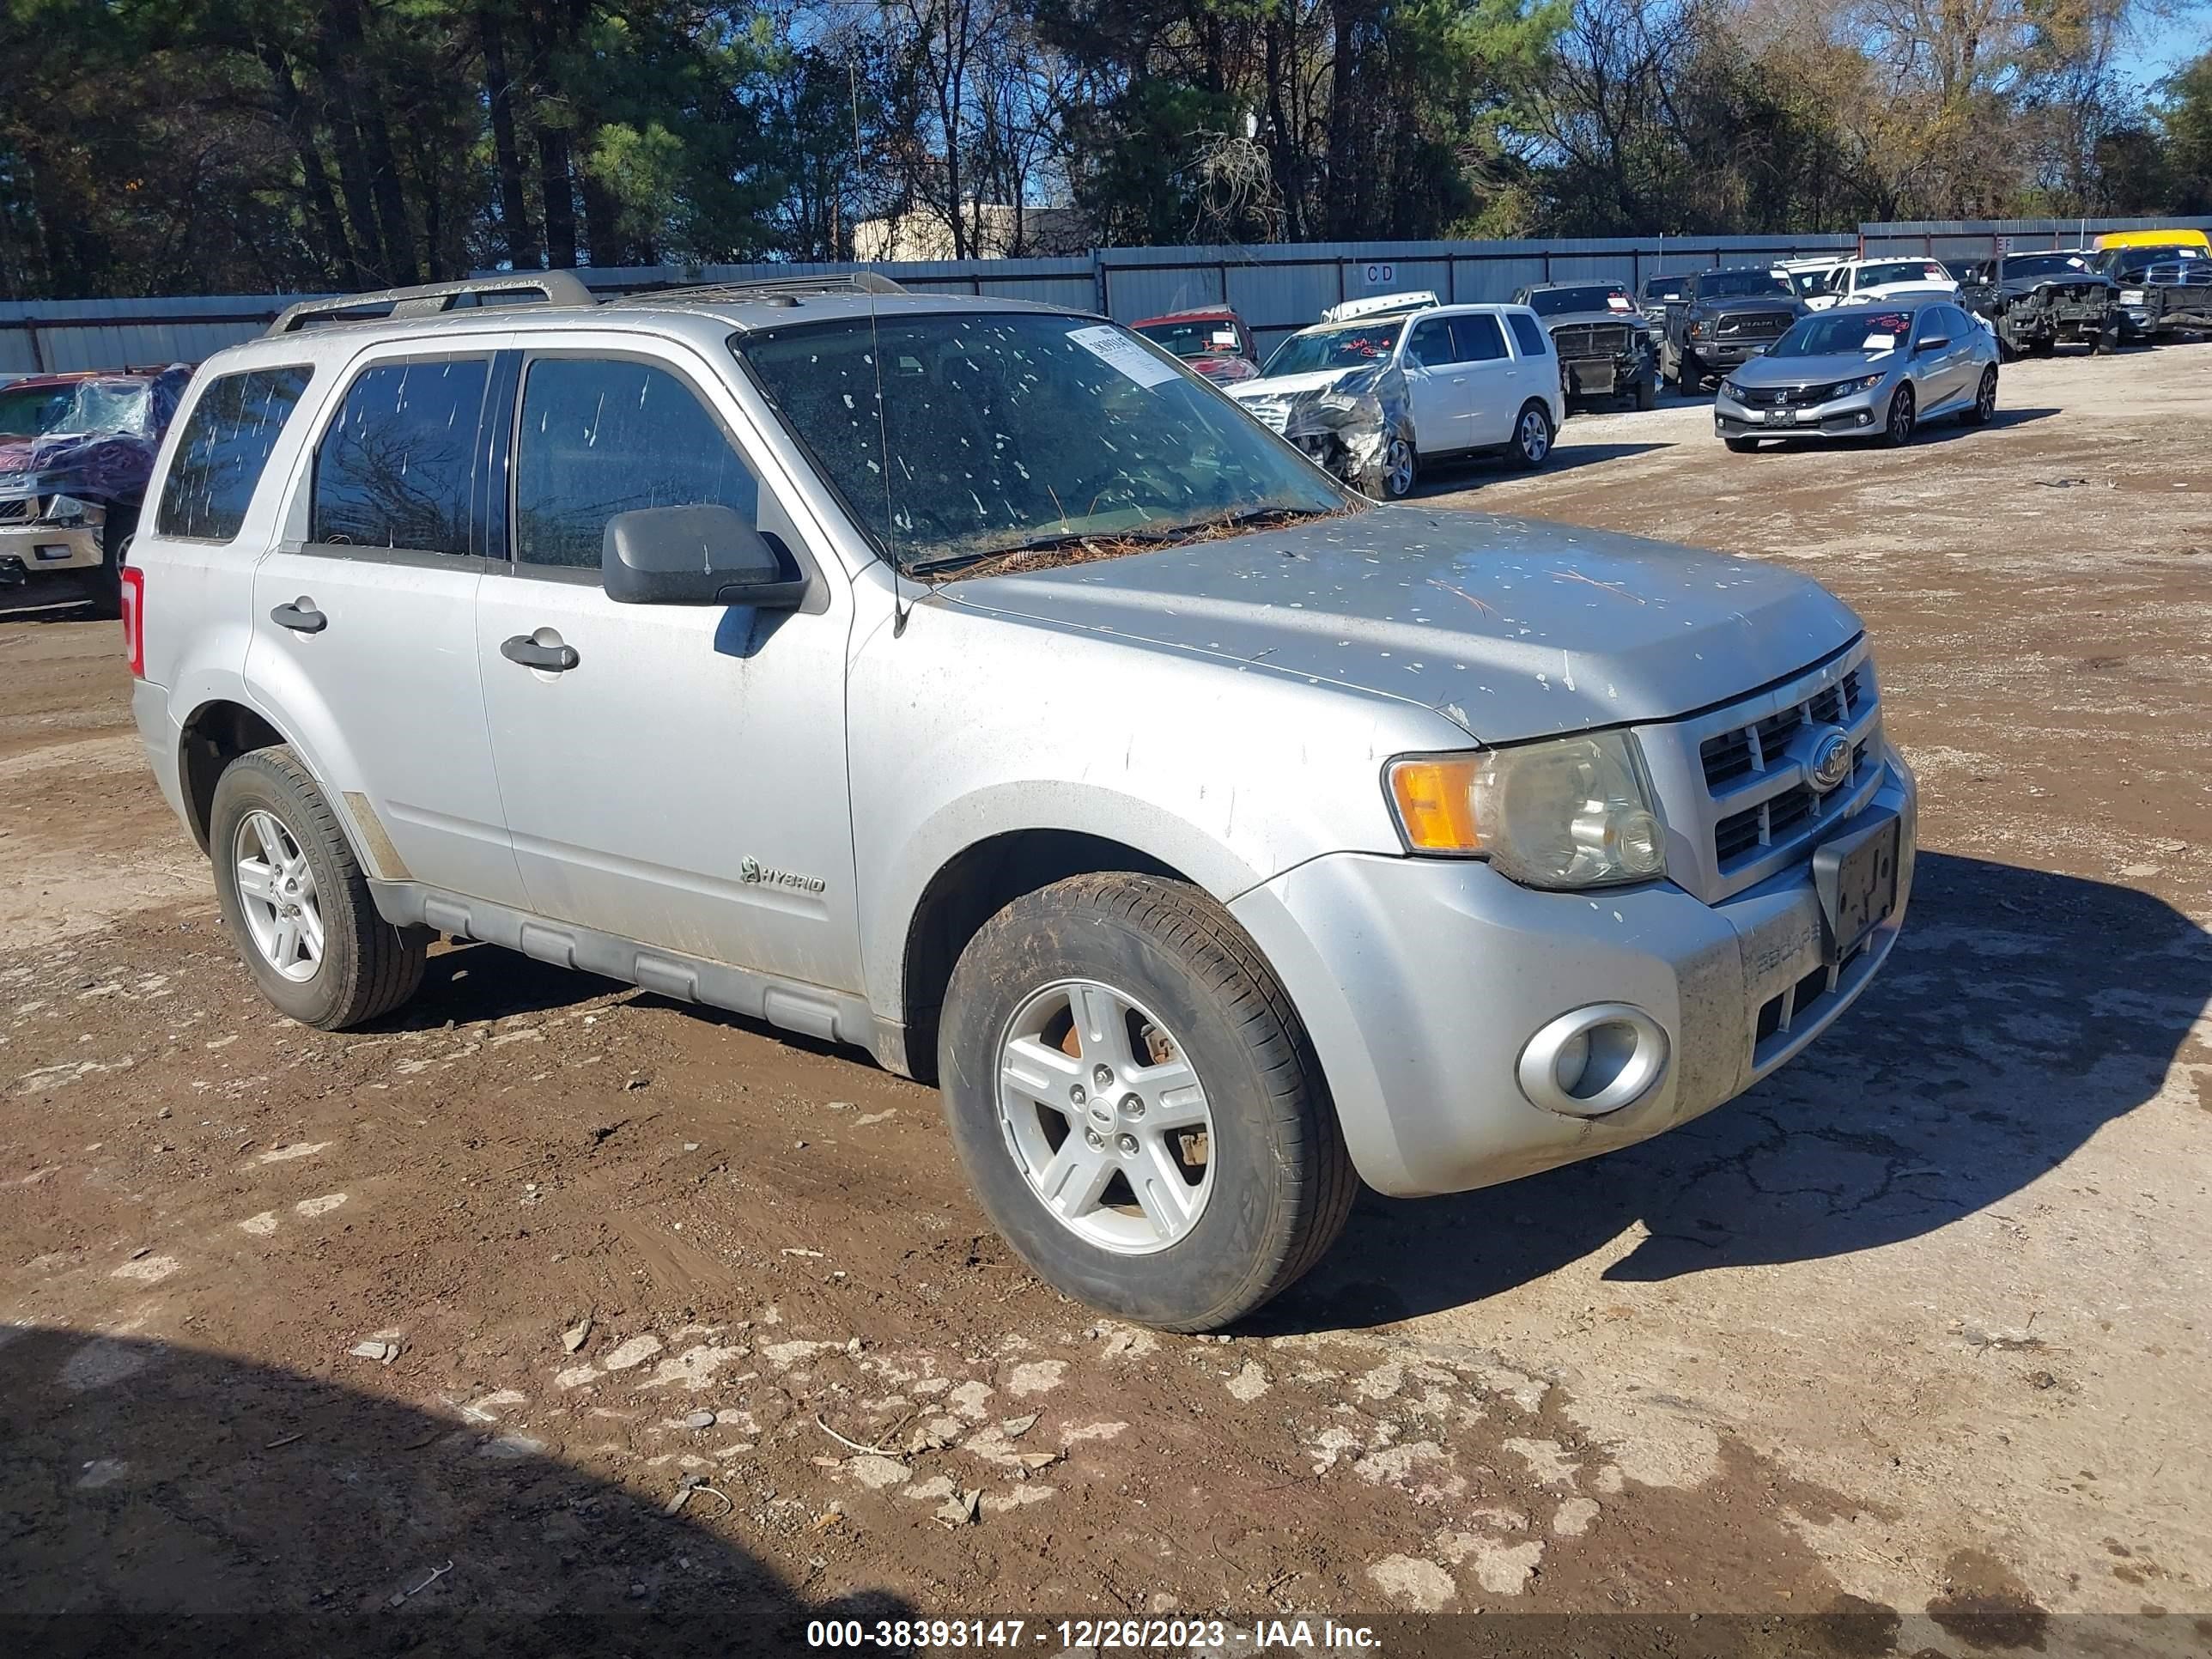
[[134, 619]]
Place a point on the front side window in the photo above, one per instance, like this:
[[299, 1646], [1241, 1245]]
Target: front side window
[[1432, 342], [1532, 340], [953, 436], [606, 435], [224, 449], [397, 466]]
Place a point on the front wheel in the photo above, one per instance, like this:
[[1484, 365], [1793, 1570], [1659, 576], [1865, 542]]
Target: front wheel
[[1647, 393], [1897, 431], [295, 898], [1137, 1105], [2107, 342], [103, 586], [1986, 400], [1391, 478], [1532, 436]]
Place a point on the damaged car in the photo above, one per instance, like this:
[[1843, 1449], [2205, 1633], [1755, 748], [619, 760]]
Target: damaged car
[[2162, 289], [1375, 396], [75, 450], [2037, 303], [1212, 339], [1599, 335], [1863, 371]]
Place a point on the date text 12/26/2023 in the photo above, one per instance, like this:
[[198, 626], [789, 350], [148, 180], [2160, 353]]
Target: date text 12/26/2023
[[1090, 1635]]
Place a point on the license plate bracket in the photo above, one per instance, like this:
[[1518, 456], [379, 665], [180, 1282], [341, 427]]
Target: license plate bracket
[[1854, 877]]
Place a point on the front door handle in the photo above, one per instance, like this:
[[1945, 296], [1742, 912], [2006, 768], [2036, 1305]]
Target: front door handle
[[533, 653], [301, 617]]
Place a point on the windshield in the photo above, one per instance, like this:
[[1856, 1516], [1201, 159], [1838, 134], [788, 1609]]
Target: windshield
[[87, 406], [1843, 332], [1665, 288], [1207, 337], [953, 436], [2046, 265], [1735, 284], [1346, 346], [1902, 270], [1553, 301]]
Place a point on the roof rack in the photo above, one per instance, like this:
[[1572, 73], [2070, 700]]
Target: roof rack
[[558, 288], [790, 288]]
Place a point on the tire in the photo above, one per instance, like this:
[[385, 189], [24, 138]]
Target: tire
[[1392, 478], [1275, 1183], [1985, 406], [1903, 414], [365, 966], [103, 586], [1647, 394], [2106, 343], [1743, 445], [2045, 347], [1533, 436]]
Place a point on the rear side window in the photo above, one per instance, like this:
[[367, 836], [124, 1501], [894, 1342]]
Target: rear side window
[[396, 468], [1532, 340], [601, 436], [1478, 338], [223, 448]]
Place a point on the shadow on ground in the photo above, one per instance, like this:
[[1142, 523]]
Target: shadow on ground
[[1444, 477], [161, 1499], [2020, 1012]]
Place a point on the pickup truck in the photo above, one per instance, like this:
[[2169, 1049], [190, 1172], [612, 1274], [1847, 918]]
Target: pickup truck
[[1725, 318]]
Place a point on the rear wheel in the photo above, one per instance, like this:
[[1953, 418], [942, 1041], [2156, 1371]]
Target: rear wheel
[[294, 897], [1904, 413], [1136, 1103], [1532, 436], [1986, 400]]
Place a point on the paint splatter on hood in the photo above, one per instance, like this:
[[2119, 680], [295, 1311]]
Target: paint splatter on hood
[[108, 462]]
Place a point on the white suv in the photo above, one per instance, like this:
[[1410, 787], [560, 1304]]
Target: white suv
[[1383, 388]]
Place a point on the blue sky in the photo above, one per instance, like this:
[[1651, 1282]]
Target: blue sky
[[2167, 43]]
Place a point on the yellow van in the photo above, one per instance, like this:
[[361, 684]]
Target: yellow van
[[2155, 238]]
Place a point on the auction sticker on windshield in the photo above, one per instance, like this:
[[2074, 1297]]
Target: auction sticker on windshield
[[1112, 347]]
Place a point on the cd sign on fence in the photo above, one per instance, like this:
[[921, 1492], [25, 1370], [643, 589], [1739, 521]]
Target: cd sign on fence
[[1378, 276]]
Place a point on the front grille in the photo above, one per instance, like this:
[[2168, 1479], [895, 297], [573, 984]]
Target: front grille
[[1732, 754], [1271, 412], [1592, 340], [19, 511], [1780, 818], [1756, 325]]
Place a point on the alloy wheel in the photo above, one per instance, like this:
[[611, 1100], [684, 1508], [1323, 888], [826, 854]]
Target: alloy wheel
[[1901, 414], [1986, 399], [1535, 437], [1105, 1116], [1397, 468], [276, 896]]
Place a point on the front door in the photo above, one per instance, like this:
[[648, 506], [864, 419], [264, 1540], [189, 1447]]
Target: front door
[[1437, 387], [364, 644], [682, 783], [1494, 383]]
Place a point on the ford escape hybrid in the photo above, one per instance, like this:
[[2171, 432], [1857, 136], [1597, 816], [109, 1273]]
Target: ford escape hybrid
[[968, 682]]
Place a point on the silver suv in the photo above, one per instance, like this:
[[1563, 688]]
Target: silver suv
[[967, 682]]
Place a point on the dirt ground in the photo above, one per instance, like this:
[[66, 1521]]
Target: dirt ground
[[1913, 1336]]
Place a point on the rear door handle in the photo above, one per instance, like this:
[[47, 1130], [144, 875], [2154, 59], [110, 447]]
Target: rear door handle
[[532, 653], [301, 617]]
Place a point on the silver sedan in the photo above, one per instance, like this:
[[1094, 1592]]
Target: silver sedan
[[1874, 370]]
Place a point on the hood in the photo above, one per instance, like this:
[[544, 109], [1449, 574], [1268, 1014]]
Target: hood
[[1290, 386], [1765, 370], [99, 466], [2014, 287], [1225, 369], [1747, 302], [1509, 627]]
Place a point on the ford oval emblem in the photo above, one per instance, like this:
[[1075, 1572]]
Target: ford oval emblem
[[1832, 759]]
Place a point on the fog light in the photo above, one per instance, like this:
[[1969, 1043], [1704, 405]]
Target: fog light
[[1866, 417], [1594, 1061]]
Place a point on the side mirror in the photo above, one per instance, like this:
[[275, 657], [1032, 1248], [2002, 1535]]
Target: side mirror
[[694, 555], [1934, 342]]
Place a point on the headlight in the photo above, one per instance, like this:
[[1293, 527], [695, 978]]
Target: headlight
[[1569, 812], [1730, 388], [67, 509], [2131, 296], [1845, 388], [1697, 330]]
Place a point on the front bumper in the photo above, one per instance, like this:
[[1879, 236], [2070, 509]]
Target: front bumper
[[1859, 415], [1600, 377], [33, 549], [1421, 982]]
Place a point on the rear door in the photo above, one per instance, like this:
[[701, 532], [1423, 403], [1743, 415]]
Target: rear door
[[1494, 378], [363, 646], [1437, 385], [682, 783]]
